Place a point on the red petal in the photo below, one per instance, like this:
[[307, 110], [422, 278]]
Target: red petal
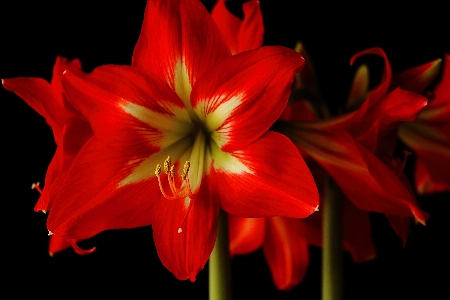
[[425, 184], [383, 87], [246, 234], [384, 117], [241, 35], [363, 178], [417, 79], [54, 171], [135, 115], [432, 148], [251, 31], [299, 111], [40, 96], [442, 90], [242, 96], [357, 238], [278, 185], [177, 33], [104, 189], [400, 226], [58, 244], [61, 65], [286, 252], [228, 24], [185, 253]]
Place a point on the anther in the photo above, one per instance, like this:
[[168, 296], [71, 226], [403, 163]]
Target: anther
[[50, 233], [186, 167], [36, 187], [158, 170], [167, 164], [172, 171]]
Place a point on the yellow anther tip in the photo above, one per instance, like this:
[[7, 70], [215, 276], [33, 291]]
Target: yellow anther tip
[[158, 170]]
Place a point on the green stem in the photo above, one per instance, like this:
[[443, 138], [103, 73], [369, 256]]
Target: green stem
[[219, 263], [332, 243]]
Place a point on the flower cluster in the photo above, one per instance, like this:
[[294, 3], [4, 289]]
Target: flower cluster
[[207, 119]]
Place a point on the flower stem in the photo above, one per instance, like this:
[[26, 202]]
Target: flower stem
[[332, 242], [219, 263]]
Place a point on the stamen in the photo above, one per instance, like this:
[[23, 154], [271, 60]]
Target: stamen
[[157, 173], [186, 215], [400, 170], [178, 193], [36, 187]]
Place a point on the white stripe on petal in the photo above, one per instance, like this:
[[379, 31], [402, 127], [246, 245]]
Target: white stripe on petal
[[213, 120], [171, 127], [183, 86], [226, 162], [146, 169]]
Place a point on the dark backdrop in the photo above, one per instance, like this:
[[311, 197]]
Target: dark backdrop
[[105, 32]]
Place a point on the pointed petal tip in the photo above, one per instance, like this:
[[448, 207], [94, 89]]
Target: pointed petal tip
[[79, 250], [317, 208], [50, 254], [374, 50], [192, 277]]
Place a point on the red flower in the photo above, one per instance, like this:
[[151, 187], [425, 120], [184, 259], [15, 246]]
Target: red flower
[[185, 97], [70, 130], [356, 148], [429, 135]]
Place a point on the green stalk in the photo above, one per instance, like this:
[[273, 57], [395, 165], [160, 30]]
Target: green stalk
[[219, 263], [332, 288]]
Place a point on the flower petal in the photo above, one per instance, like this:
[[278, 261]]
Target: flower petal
[[185, 252], [432, 148], [246, 234], [383, 87], [58, 244], [417, 79], [241, 35], [105, 189], [239, 98], [39, 94], [363, 178], [61, 65], [139, 115], [179, 41], [251, 31], [228, 24], [357, 238], [286, 252], [274, 185]]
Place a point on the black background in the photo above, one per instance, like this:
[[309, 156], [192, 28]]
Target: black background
[[125, 263]]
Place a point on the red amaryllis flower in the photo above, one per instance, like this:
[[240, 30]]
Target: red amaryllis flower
[[70, 130], [352, 149], [186, 98], [429, 135]]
